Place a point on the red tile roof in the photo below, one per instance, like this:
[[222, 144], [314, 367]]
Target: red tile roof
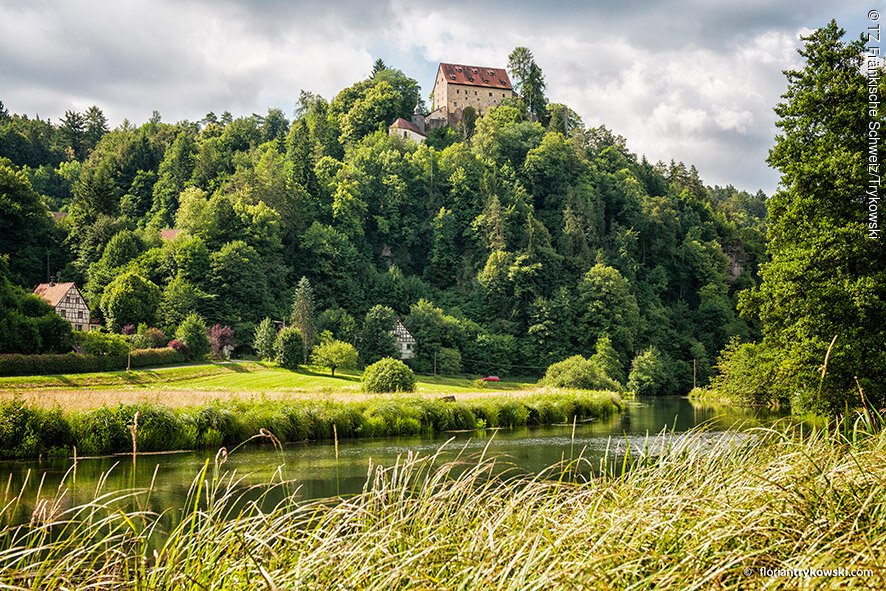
[[53, 292], [170, 233], [476, 76], [402, 123]]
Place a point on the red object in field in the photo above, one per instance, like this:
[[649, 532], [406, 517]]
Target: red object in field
[[491, 379]]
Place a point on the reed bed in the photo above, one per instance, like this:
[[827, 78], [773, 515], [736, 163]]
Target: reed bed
[[28, 430], [692, 517]]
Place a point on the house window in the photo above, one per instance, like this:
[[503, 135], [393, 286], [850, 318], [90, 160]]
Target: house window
[[62, 313], [80, 314], [409, 346], [80, 327]]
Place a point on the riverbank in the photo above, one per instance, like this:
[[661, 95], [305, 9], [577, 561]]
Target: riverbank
[[702, 515], [30, 430], [198, 384]]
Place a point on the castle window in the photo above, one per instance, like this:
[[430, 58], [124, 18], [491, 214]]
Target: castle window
[[490, 94], [475, 93], [404, 134]]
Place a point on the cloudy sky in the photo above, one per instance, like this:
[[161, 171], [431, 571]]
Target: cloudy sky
[[693, 81]]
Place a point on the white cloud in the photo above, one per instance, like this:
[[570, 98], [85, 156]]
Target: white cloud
[[693, 81]]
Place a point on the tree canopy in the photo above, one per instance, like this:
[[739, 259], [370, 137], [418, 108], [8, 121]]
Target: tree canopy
[[526, 243]]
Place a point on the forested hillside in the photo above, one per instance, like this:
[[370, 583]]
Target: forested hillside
[[509, 244]]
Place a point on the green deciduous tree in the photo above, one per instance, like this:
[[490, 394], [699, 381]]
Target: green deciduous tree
[[826, 279], [335, 354], [26, 230], [606, 358], [263, 341], [338, 323], [27, 323], [193, 335], [289, 348], [377, 335], [180, 297], [130, 299], [606, 305], [650, 374]]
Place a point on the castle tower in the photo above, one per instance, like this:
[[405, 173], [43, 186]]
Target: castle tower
[[418, 118]]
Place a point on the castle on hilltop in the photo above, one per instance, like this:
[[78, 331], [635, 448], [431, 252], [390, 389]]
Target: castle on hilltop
[[456, 88]]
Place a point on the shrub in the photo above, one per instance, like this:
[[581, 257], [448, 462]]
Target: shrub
[[263, 343], [192, 333], [155, 357], [289, 348], [100, 343], [747, 375], [29, 365], [388, 375], [334, 355], [177, 346], [581, 373], [220, 338], [149, 337]]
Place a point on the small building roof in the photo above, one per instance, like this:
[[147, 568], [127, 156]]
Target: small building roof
[[170, 233], [402, 335], [402, 123], [53, 292], [476, 76]]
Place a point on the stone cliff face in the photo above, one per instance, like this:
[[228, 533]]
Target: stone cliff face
[[738, 258]]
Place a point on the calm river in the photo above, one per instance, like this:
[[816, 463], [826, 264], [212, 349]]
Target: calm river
[[314, 468]]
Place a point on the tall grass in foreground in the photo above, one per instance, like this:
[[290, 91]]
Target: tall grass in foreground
[[692, 517]]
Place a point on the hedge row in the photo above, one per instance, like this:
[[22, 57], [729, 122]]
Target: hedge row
[[27, 431], [28, 365]]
